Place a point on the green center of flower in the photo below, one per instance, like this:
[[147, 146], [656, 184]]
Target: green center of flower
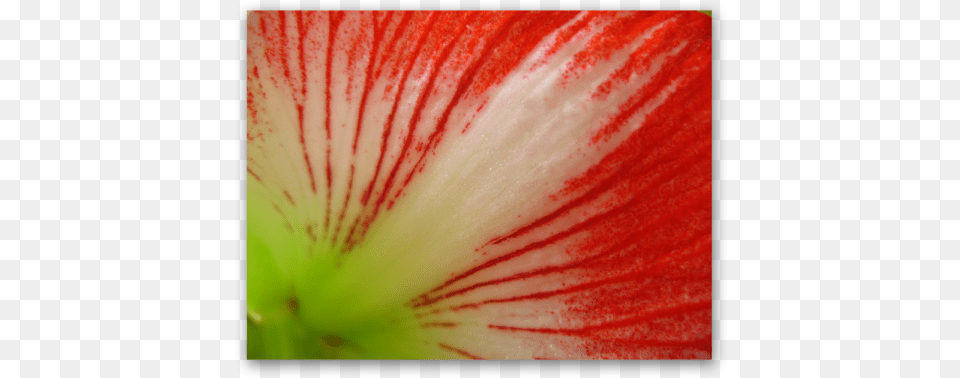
[[301, 303]]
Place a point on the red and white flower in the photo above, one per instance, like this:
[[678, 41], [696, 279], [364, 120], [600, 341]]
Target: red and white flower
[[494, 185]]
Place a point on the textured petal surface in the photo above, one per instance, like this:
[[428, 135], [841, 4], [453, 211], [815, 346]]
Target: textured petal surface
[[495, 184]]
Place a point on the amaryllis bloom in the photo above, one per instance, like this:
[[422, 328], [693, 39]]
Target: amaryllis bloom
[[492, 185]]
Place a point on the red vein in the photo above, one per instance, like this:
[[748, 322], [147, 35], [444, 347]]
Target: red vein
[[303, 70], [636, 103], [331, 38], [417, 114], [674, 215], [695, 154], [539, 244], [393, 41], [624, 278], [439, 324], [672, 311], [389, 122], [462, 85], [367, 84], [459, 351], [255, 176], [617, 249]]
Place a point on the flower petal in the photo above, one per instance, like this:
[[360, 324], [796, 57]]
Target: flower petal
[[504, 184]]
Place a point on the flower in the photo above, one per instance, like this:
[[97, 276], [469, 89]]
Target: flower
[[498, 185]]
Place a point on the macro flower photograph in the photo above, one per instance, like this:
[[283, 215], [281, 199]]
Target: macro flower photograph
[[479, 185]]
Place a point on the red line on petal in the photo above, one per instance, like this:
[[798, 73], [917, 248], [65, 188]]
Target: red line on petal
[[343, 211], [539, 244], [285, 57], [389, 122], [439, 324], [418, 110], [621, 247], [615, 124], [566, 35], [696, 153], [459, 351], [255, 176], [263, 25], [414, 121], [662, 40], [303, 146], [465, 80], [393, 41], [334, 23], [624, 278], [302, 29], [515, 48], [367, 84], [685, 308], [396, 102], [602, 187], [635, 238], [286, 73], [500, 55]]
